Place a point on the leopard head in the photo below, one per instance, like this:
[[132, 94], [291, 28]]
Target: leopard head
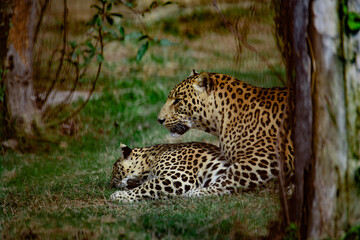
[[129, 170], [187, 105]]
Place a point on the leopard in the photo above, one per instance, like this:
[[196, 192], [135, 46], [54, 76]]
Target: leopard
[[193, 169], [251, 123]]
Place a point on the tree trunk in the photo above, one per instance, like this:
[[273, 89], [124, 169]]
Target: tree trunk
[[21, 108], [336, 124], [351, 51], [301, 67], [5, 15]]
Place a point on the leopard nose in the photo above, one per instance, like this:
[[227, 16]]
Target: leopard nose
[[161, 121]]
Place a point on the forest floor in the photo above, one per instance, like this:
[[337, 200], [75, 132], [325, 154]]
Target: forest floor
[[58, 187]]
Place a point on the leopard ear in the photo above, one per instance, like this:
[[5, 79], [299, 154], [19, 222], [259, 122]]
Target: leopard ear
[[203, 83], [125, 150], [193, 73]]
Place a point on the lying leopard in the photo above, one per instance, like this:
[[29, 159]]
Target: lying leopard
[[246, 119], [187, 169]]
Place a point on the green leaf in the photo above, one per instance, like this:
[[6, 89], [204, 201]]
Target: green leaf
[[98, 22], [95, 6], [345, 9], [129, 4], [165, 42], [353, 21], [133, 35], [143, 37], [88, 56], [90, 45], [74, 55], [112, 34], [99, 58], [73, 44], [121, 30], [109, 7], [354, 26], [94, 19], [110, 20], [116, 15], [142, 51]]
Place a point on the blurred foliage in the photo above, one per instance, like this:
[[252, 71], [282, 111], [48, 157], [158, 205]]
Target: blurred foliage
[[351, 19], [199, 22], [113, 31], [75, 56], [291, 232], [352, 234]]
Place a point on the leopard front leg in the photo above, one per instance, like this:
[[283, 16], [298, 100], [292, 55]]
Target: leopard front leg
[[122, 196], [160, 187]]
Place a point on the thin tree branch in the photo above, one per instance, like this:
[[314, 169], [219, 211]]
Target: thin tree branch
[[62, 54], [71, 93], [93, 86], [50, 62], [137, 14], [38, 25], [242, 39], [66, 100]]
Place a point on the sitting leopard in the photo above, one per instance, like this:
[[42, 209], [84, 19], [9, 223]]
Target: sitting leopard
[[246, 119], [186, 169]]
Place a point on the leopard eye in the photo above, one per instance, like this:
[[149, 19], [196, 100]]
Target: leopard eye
[[176, 101]]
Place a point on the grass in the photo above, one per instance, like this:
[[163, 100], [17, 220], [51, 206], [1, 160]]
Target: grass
[[63, 193], [60, 190], [73, 204]]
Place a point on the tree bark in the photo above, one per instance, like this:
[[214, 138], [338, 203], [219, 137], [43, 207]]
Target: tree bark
[[301, 64], [19, 83], [5, 16], [351, 52], [336, 124]]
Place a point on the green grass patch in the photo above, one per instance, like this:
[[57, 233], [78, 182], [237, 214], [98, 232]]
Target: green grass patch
[[63, 193], [236, 216]]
